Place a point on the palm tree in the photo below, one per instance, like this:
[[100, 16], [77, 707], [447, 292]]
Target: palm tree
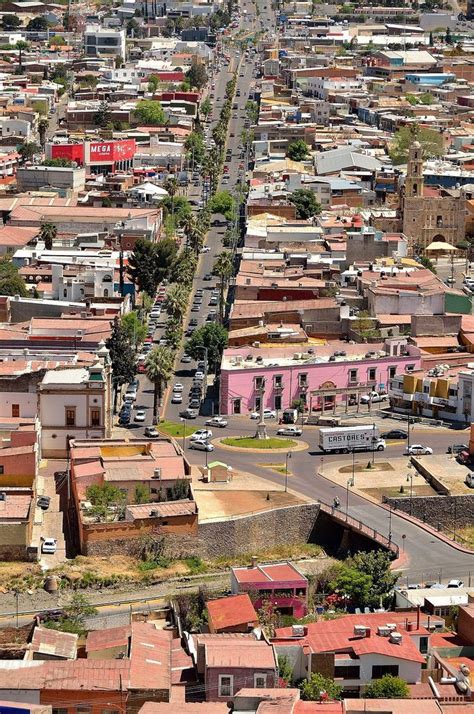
[[43, 126], [224, 268], [20, 46], [176, 301], [159, 368], [171, 186], [48, 233]]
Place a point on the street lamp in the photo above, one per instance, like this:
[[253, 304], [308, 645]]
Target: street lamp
[[183, 420], [288, 456], [410, 476], [349, 484], [389, 523]]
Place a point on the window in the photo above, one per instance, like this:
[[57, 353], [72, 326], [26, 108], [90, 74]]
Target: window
[[258, 382], [259, 681], [380, 670], [59, 710], [258, 403], [70, 416], [372, 374], [278, 381], [83, 709], [303, 380], [15, 410], [423, 645], [278, 402], [352, 375], [95, 417], [392, 372], [226, 685], [347, 672], [237, 405]]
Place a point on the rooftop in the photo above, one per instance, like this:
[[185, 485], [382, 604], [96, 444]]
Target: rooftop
[[269, 573], [231, 611]]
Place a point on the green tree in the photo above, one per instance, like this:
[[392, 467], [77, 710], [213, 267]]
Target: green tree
[[376, 564], [62, 162], [176, 301], [133, 28], [122, 357], [107, 500], [210, 335], [223, 267], [170, 184], [319, 688], [197, 75], [431, 142], [11, 22], [153, 83], [223, 202], [195, 147], [75, 613], [103, 115], [427, 98], [43, 126], [297, 150], [285, 670], [28, 149], [21, 46], [165, 255], [427, 263], [142, 495], [353, 585], [251, 108], [141, 266], [134, 329], [159, 368], [89, 81], [11, 282], [206, 108], [37, 24], [48, 233], [305, 202], [150, 113], [56, 41], [387, 687]]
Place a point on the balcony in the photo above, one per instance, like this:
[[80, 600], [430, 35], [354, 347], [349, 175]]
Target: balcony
[[278, 386]]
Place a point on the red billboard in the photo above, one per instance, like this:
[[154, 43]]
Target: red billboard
[[107, 151], [73, 152]]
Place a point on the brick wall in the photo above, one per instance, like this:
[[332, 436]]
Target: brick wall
[[443, 511], [465, 624]]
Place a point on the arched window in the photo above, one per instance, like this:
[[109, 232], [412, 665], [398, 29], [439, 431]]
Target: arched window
[[106, 292]]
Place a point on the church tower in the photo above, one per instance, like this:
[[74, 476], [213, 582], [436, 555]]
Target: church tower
[[414, 178]]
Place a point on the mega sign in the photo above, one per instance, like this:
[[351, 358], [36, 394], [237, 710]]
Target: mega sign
[[111, 151]]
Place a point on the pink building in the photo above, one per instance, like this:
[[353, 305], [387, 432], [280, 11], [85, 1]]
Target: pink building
[[309, 372], [282, 584]]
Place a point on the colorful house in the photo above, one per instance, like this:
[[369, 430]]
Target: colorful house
[[282, 584]]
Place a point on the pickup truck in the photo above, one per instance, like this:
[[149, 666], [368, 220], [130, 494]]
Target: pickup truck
[[373, 397]]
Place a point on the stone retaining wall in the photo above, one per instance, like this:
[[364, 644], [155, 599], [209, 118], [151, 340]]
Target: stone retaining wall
[[443, 512]]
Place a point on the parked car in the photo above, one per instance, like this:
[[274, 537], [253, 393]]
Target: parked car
[[194, 402], [124, 420], [217, 421], [267, 414], [140, 415], [455, 584], [189, 413], [151, 432], [177, 398], [418, 450], [201, 446], [201, 435], [49, 546], [199, 375], [44, 502], [186, 359], [207, 277], [373, 397], [178, 387], [289, 431], [394, 434], [457, 448]]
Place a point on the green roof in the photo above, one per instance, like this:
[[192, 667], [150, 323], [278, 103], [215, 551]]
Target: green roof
[[216, 463]]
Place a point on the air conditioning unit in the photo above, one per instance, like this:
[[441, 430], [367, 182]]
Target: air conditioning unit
[[156, 473], [360, 630], [153, 514], [396, 638], [391, 626], [297, 630], [383, 631]]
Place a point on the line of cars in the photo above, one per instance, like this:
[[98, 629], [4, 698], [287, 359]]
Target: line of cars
[[196, 392]]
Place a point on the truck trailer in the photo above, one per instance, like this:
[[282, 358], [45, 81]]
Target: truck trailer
[[344, 439]]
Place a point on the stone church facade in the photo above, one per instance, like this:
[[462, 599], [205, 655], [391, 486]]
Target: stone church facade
[[428, 218]]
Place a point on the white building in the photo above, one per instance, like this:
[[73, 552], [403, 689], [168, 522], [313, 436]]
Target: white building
[[104, 41], [89, 282], [75, 403]]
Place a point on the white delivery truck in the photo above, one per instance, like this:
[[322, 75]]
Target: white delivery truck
[[347, 438]]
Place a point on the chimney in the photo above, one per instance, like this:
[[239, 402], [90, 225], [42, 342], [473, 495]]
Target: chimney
[[254, 561]]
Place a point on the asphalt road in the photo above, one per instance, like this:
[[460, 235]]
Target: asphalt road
[[427, 557]]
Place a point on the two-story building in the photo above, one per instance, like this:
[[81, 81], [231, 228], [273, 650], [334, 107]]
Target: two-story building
[[282, 584]]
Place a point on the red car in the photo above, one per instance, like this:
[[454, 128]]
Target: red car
[[226, 169]]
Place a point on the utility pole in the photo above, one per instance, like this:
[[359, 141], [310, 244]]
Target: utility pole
[[262, 427]]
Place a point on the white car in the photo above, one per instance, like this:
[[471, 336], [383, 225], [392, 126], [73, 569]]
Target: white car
[[455, 584], [49, 545], [178, 388], [205, 249], [217, 421], [130, 396], [199, 375], [418, 450], [373, 397], [201, 446], [267, 414], [177, 398], [201, 435], [186, 359], [140, 415], [289, 431]]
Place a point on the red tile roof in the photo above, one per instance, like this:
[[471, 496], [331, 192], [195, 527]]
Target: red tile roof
[[106, 639], [246, 654], [150, 657], [52, 642], [269, 573], [231, 611]]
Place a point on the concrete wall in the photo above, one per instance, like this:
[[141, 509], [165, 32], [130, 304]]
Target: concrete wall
[[426, 325], [443, 511]]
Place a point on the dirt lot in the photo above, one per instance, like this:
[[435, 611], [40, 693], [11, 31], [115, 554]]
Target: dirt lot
[[217, 504]]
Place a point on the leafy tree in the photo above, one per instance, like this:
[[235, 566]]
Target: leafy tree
[[223, 202], [28, 149], [305, 202], [43, 126], [133, 327], [387, 687], [224, 268], [376, 564], [103, 496], [48, 233], [195, 147], [159, 368], [11, 22], [178, 206], [74, 617], [170, 184], [427, 263], [173, 332], [121, 355], [89, 81], [153, 83], [11, 283], [427, 98], [318, 688], [133, 28], [297, 150], [197, 75], [141, 266], [56, 41], [251, 108], [165, 255], [150, 113], [142, 494], [285, 669], [62, 162], [21, 46], [176, 301], [431, 143], [103, 115], [351, 584], [210, 335], [37, 24], [206, 107]]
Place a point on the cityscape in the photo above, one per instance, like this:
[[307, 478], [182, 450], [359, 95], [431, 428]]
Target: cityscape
[[236, 357]]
